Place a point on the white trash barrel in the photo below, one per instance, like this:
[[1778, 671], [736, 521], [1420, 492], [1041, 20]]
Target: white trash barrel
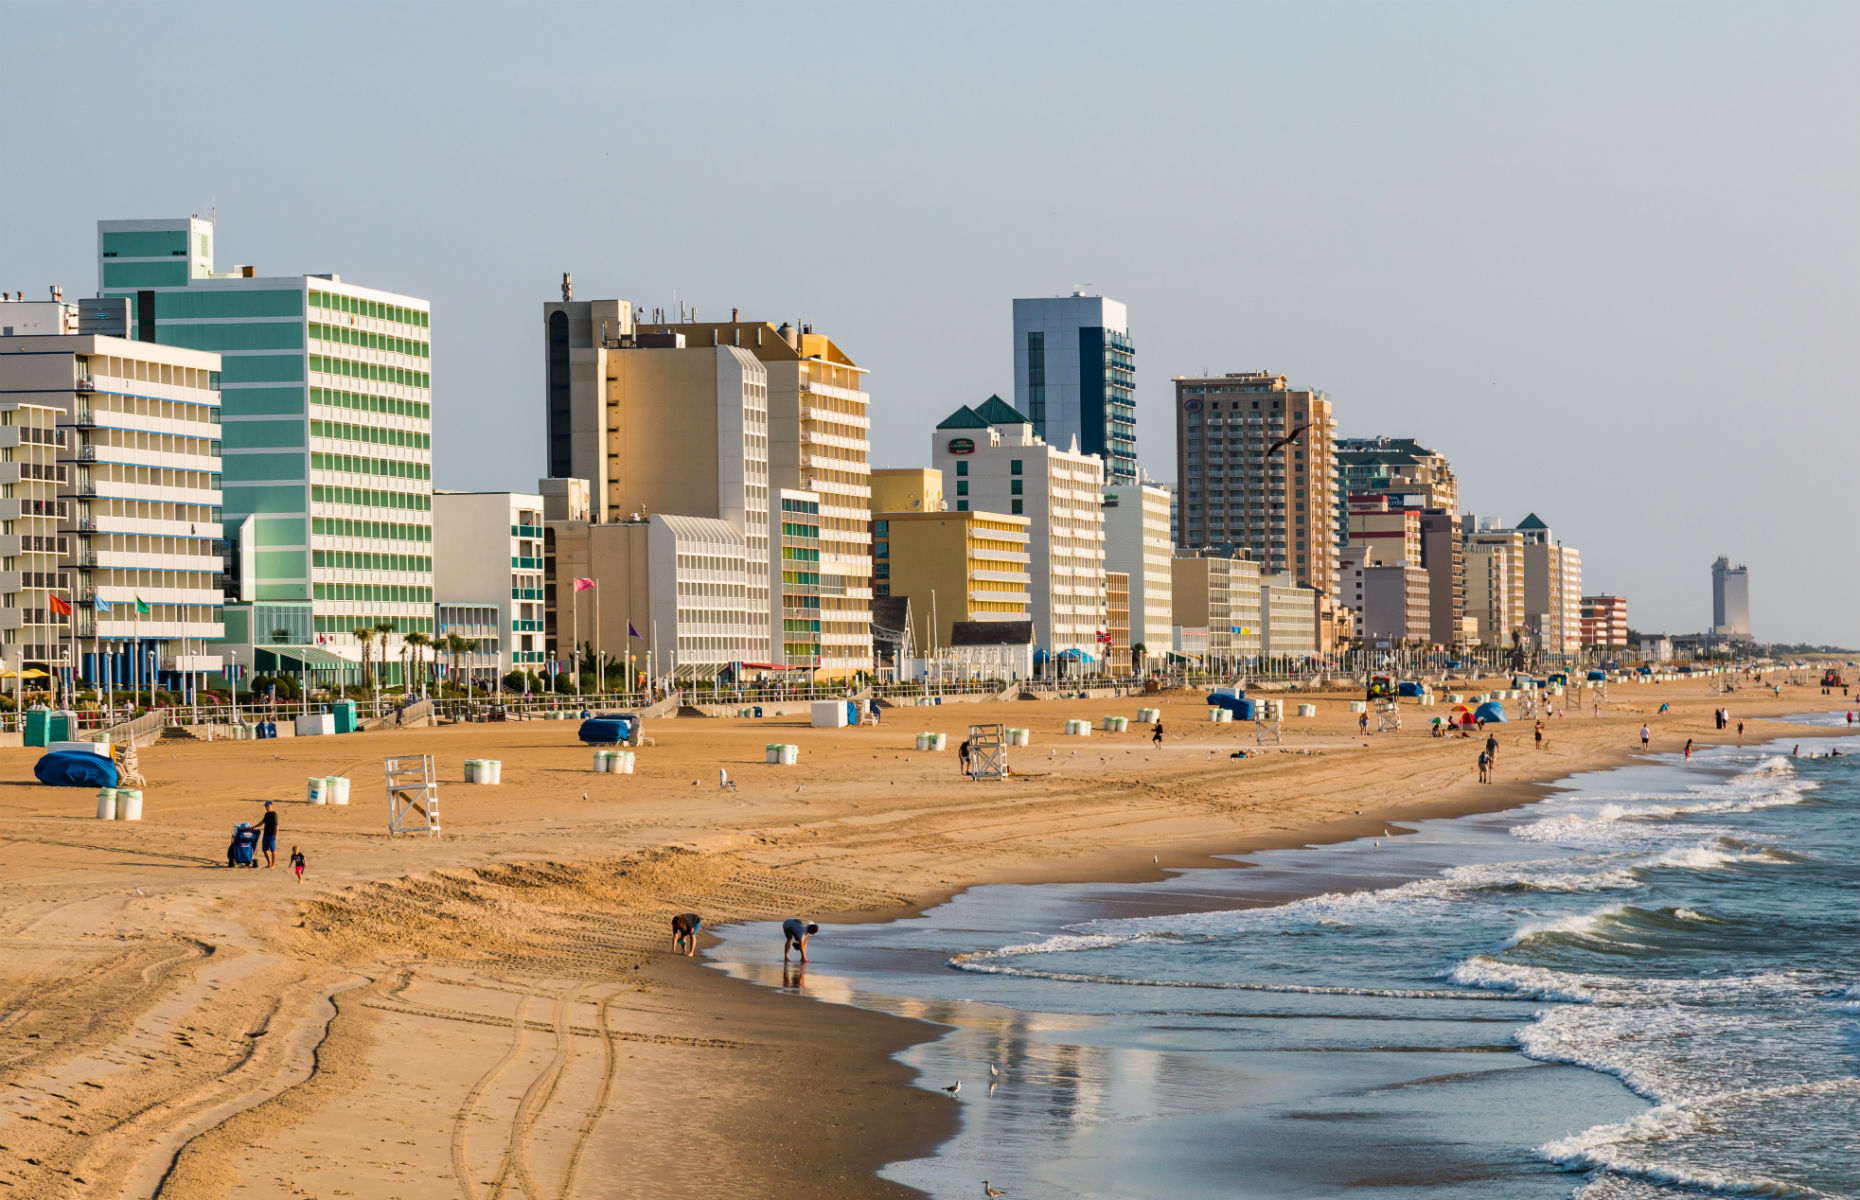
[[1307, 710], [129, 804], [792, 754], [106, 804], [319, 790], [600, 760]]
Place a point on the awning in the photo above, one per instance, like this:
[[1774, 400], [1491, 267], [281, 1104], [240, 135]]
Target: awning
[[301, 658]]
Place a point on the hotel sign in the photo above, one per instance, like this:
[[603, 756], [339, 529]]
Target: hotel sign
[[962, 445]]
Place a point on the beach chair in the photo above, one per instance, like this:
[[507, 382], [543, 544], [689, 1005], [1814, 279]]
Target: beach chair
[[243, 850]]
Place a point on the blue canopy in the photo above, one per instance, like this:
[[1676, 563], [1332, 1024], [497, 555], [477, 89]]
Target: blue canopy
[[611, 729], [75, 768], [1491, 710]]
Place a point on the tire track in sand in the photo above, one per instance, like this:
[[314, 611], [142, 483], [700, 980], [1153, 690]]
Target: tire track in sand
[[610, 1068], [536, 1098], [461, 1167]]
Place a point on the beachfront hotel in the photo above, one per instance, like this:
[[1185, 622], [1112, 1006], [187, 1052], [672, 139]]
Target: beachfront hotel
[[326, 440], [1494, 581], [1216, 609], [1238, 492], [622, 396], [1137, 543], [1075, 376], [488, 579], [991, 460], [1552, 588], [954, 567], [1605, 622], [126, 436]]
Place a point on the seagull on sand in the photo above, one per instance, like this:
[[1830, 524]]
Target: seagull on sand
[[991, 1191], [953, 1088]]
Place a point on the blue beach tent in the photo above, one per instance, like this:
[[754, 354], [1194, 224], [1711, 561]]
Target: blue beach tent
[[75, 768], [1491, 710]]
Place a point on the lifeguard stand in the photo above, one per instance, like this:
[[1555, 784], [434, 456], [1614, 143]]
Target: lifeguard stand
[[1268, 722], [988, 752], [413, 794], [1388, 717]]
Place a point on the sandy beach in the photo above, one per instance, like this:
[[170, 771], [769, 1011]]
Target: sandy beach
[[494, 1012]]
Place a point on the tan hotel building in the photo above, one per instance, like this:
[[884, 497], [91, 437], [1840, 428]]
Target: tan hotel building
[[715, 420], [1279, 507]]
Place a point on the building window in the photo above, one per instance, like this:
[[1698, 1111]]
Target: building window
[[962, 506], [1015, 486], [1014, 506], [962, 468], [1013, 466], [882, 528], [962, 487]]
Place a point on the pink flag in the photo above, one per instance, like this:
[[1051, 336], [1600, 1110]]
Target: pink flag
[[582, 585]]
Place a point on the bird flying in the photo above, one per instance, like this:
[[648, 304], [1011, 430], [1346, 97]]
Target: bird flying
[[1285, 441]]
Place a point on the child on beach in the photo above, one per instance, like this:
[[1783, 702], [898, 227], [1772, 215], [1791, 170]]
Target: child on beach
[[297, 863]]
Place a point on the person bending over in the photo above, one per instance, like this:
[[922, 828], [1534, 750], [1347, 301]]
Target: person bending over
[[685, 928], [794, 935]]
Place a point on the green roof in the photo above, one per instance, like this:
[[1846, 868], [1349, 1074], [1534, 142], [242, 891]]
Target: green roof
[[963, 418], [997, 411], [1533, 521]]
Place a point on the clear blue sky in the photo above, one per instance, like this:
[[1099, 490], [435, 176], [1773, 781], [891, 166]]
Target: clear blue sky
[[1603, 255]]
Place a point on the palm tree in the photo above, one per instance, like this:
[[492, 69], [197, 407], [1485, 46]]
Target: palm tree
[[382, 629], [365, 634], [416, 643], [459, 645]]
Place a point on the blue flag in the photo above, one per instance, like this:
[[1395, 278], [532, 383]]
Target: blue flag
[[100, 604], [632, 632]]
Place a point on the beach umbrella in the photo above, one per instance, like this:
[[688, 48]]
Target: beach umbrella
[[1462, 715]]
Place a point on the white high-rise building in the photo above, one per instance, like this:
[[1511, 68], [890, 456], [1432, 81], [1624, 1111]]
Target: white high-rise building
[[992, 461], [1074, 376], [137, 534], [1138, 543], [1730, 598], [488, 553]]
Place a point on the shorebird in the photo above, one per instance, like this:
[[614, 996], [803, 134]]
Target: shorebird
[[993, 1071], [953, 1088], [990, 1191]]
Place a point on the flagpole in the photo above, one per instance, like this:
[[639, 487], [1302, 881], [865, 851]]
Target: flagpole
[[574, 634], [600, 668]]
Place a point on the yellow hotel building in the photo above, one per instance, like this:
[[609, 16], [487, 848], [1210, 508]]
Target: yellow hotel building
[[954, 566]]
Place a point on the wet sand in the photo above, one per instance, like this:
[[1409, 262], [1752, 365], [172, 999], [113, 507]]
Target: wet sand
[[493, 1012]]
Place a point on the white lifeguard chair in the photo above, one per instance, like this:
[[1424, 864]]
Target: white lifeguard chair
[[988, 752], [1388, 717], [413, 794]]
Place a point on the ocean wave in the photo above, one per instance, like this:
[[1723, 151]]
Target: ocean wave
[[1546, 983], [980, 966], [1710, 856], [1623, 1148], [1616, 821]]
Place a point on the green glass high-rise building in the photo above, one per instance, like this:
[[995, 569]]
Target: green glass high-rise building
[[326, 412]]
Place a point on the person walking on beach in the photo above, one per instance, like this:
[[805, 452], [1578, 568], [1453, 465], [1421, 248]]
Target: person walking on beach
[[1688, 749], [1491, 747], [297, 863], [1538, 733], [1646, 734], [268, 833], [1485, 767], [1740, 733], [1362, 722], [1156, 733], [794, 935], [962, 757], [684, 934]]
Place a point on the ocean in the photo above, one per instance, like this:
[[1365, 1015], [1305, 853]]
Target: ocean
[[1645, 986]]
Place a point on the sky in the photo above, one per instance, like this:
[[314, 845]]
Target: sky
[[1601, 255]]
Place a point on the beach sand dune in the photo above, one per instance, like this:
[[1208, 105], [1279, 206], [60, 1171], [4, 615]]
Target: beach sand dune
[[493, 1012]]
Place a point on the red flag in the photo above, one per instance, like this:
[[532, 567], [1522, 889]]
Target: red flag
[[582, 585], [60, 605]]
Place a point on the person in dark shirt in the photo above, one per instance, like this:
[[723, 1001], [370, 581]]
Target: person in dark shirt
[[685, 928], [268, 834]]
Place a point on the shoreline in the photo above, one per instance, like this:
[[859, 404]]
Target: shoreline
[[529, 944], [1122, 868]]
